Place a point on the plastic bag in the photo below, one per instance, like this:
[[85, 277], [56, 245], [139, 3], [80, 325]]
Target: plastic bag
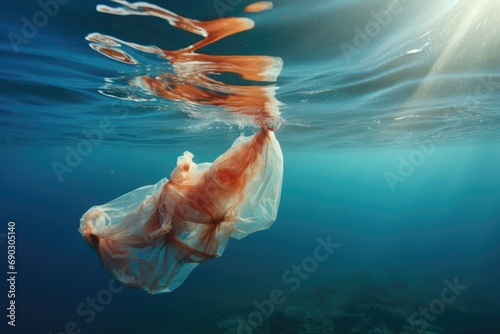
[[153, 237]]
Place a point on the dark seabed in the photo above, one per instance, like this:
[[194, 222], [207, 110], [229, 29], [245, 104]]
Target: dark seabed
[[389, 221]]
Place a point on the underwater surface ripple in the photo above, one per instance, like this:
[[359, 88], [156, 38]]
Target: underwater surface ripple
[[351, 77]]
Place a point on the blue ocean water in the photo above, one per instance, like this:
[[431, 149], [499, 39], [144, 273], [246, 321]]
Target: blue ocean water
[[390, 137]]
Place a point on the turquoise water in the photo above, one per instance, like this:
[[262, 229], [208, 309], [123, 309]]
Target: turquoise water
[[391, 150]]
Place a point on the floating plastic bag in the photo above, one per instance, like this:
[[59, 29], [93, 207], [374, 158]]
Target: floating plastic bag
[[153, 237]]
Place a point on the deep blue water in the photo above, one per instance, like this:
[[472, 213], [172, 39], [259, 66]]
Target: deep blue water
[[391, 150]]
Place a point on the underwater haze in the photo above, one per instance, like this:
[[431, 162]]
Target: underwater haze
[[388, 116]]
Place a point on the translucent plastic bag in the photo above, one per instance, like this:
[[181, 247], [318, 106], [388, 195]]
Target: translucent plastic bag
[[153, 237]]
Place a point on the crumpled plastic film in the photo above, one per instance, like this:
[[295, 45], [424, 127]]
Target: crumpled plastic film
[[154, 236]]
